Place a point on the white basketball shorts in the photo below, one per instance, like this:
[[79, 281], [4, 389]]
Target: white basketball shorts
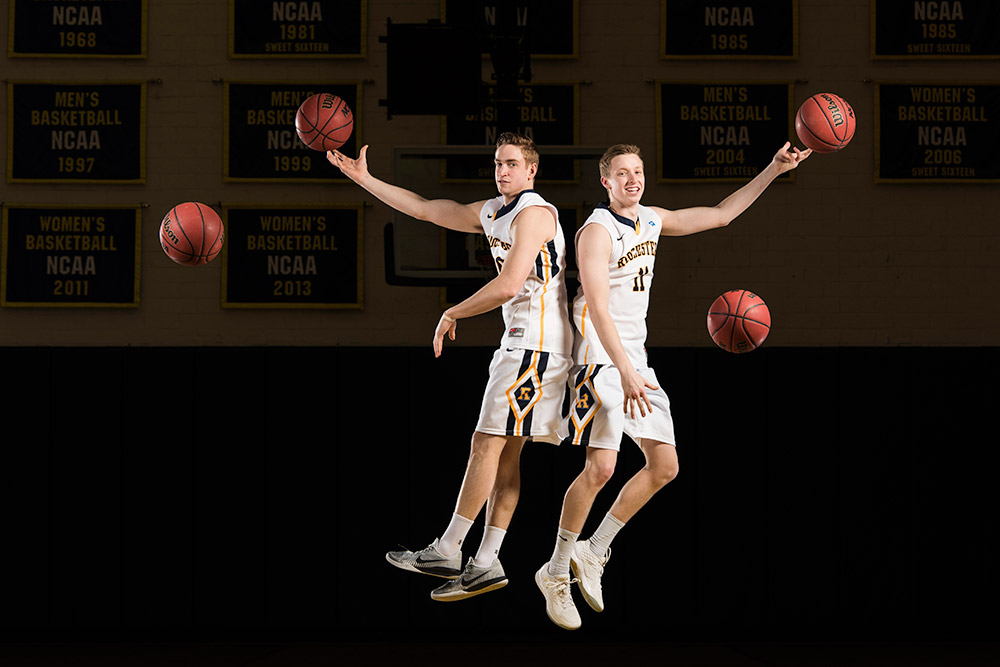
[[525, 394], [596, 415]]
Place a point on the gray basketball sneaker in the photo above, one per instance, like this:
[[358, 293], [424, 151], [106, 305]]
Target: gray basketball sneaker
[[588, 568], [427, 561], [472, 582]]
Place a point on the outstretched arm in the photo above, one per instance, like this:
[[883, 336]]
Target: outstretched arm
[[531, 230], [442, 212], [699, 218], [593, 249]]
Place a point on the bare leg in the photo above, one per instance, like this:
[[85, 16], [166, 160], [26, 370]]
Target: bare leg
[[661, 467], [581, 493], [480, 473], [507, 486]]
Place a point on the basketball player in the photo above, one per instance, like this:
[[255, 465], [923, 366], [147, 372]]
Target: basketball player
[[526, 387], [614, 391]]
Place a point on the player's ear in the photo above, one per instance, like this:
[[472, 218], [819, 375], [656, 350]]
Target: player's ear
[[532, 169]]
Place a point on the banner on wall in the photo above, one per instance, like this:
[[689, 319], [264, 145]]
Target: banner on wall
[[547, 112], [315, 29], [939, 132], [293, 256], [74, 29], [76, 132], [925, 29], [70, 256], [551, 28], [715, 132], [260, 142], [722, 29]]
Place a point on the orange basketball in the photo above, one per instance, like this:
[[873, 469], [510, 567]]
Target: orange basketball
[[739, 321], [324, 122], [191, 233], [825, 123]]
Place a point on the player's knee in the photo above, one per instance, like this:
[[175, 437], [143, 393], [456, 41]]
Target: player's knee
[[599, 473], [665, 473]]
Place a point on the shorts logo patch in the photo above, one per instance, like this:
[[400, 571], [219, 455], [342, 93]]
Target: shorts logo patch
[[524, 394], [516, 332]]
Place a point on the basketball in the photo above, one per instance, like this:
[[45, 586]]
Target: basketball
[[825, 123], [739, 321], [324, 122], [191, 233]]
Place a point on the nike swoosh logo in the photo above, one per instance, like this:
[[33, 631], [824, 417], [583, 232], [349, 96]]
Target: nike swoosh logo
[[562, 538], [468, 581], [421, 560]]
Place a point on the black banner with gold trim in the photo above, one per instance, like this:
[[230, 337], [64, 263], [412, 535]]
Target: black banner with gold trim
[[547, 112], [919, 29], [80, 256], [721, 131], [550, 28], [76, 132], [722, 29], [74, 29], [293, 256], [260, 142], [316, 29], [939, 132]]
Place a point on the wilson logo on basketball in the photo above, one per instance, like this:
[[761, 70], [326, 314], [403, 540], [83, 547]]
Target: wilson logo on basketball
[[835, 114], [168, 231]]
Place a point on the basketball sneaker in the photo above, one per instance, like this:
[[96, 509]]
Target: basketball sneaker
[[427, 561], [588, 567], [473, 581], [558, 593]]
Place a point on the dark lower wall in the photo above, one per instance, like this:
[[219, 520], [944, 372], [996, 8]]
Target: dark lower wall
[[252, 492]]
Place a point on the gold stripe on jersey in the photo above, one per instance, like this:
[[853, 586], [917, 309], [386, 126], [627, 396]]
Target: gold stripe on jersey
[[547, 270]]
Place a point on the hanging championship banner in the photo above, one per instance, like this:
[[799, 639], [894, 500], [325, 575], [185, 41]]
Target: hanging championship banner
[[301, 256], [76, 132], [924, 29], [716, 132], [547, 112], [316, 29], [720, 29], [74, 29], [551, 27], [259, 139], [71, 256], [938, 133]]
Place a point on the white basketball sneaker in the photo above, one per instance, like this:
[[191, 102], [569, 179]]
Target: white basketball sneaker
[[558, 598], [588, 567]]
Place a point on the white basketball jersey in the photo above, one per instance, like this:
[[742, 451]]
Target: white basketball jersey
[[537, 318], [630, 269]]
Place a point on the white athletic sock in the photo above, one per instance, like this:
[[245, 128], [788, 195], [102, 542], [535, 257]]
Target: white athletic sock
[[559, 563], [600, 541], [450, 542], [489, 548]]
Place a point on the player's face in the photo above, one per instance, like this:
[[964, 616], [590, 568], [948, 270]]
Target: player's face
[[627, 180], [513, 175]]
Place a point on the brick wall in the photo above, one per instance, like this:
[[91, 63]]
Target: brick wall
[[839, 259]]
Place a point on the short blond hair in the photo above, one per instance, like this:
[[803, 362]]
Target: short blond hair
[[526, 144], [612, 153]]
